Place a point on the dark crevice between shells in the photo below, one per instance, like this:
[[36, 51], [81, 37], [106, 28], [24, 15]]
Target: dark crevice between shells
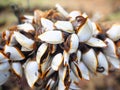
[[67, 44], [67, 78], [102, 36], [73, 57], [45, 55], [27, 34], [42, 86], [83, 47]]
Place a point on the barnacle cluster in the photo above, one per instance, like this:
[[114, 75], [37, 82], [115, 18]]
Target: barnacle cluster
[[56, 49]]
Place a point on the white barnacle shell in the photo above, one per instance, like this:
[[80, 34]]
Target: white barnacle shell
[[15, 53], [110, 50], [31, 72], [79, 55], [63, 77], [50, 84], [52, 37], [61, 10], [48, 72], [61, 85], [66, 56], [63, 73], [47, 24], [57, 61], [114, 32], [73, 77], [27, 18], [95, 42], [114, 61], [40, 52], [84, 71], [76, 70], [65, 26], [44, 66], [6, 35], [3, 57], [96, 29], [23, 49], [27, 27], [24, 41], [72, 15], [4, 77], [17, 68], [90, 60], [12, 40], [102, 63], [73, 42], [4, 66], [37, 16], [84, 31]]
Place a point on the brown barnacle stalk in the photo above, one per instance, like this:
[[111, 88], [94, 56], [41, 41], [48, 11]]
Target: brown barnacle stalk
[[55, 49]]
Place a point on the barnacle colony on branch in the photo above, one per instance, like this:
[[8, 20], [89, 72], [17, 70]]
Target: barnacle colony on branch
[[58, 49]]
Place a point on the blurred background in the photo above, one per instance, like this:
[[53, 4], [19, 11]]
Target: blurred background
[[105, 12]]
